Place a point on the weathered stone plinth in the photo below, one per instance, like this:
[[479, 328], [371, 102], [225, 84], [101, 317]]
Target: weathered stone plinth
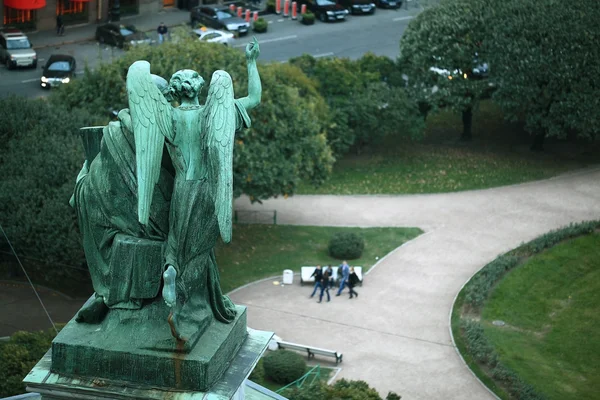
[[142, 351], [55, 386]]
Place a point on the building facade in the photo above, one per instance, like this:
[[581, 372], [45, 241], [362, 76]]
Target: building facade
[[30, 15]]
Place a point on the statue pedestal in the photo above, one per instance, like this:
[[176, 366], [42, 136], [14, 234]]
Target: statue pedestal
[[56, 386]]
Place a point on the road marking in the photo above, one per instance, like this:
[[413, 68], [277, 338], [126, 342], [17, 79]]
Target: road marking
[[271, 40], [402, 18], [323, 55], [30, 80], [270, 22], [280, 20]]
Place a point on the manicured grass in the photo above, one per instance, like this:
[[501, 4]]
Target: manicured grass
[[324, 376], [551, 305], [259, 251], [497, 156]]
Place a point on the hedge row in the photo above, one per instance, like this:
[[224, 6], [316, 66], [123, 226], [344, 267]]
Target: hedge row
[[478, 288]]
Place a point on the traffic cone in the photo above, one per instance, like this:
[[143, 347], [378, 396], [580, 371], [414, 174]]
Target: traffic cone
[[247, 16], [286, 8], [277, 6], [303, 9], [255, 16], [232, 8], [294, 10], [239, 12]]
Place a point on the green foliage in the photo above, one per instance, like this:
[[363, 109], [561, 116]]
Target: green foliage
[[258, 373], [478, 288], [260, 25], [17, 356], [308, 18], [39, 163], [484, 353], [392, 396], [546, 71], [346, 246], [286, 143], [283, 366], [342, 389], [446, 37], [365, 107]]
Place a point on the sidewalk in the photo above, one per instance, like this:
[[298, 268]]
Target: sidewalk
[[80, 33]]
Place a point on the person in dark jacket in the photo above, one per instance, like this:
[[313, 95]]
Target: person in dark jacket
[[352, 281], [318, 274], [60, 26], [325, 284], [162, 31], [330, 283]]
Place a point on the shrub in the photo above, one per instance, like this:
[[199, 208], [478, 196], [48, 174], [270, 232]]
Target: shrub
[[342, 389], [18, 356], [258, 373], [283, 366], [308, 18], [271, 6], [346, 246], [260, 25], [392, 396]]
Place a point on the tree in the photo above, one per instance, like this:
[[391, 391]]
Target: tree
[[365, 102], [438, 52], [286, 143], [546, 65]]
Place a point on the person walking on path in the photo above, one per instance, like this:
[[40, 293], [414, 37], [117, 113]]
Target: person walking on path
[[60, 26], [318, 274], [344, 278], [325, 284], [330, 280], [352, 281], [162, 32]]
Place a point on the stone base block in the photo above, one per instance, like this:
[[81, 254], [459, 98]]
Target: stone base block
[[144, 353], [55, 386]]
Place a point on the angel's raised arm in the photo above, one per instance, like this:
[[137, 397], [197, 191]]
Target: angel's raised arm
[[254, 85]]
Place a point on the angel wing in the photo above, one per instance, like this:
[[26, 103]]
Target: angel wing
[[151, 118], [220, 124]]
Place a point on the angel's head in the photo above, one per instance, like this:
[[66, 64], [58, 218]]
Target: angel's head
[[186, 83]]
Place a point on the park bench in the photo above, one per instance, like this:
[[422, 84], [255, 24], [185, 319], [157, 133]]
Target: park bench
[[306, 272], [310, 351]]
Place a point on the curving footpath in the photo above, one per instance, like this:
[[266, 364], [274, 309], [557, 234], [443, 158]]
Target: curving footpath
[[396, 334]]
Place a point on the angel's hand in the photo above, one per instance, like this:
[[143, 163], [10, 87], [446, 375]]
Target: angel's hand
[[252, 50]]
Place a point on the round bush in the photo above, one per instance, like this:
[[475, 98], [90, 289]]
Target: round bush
[[260, 25], [346, 246], [283, 366], [308, 18]]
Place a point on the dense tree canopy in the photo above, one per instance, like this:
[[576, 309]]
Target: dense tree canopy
[[286, 143], [546, 64], [438, 53]]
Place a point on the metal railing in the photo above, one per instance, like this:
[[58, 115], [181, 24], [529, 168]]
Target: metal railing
[[313, 374]]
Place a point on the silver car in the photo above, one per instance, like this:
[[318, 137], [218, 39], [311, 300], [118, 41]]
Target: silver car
[[16, 49], [214, 36]]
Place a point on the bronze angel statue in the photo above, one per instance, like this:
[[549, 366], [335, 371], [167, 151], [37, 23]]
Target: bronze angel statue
[[155, 198]]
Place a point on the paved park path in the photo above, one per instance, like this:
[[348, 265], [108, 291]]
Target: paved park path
[[396, 334]]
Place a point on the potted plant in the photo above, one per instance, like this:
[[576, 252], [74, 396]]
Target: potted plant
[[308, 18], [260, 25]]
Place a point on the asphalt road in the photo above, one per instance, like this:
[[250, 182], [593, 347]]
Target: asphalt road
[[379, 34]]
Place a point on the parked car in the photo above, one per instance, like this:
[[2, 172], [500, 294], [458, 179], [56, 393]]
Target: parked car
[[326, 10], [16, 49], [121, 36], [59, 69], [214, 36], [358, 6], [218, 18], [480, 70], [388, 3]]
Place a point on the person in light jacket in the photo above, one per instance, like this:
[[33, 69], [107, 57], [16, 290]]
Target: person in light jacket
[[344, 278]]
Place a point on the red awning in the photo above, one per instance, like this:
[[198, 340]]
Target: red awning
[[25, 4]]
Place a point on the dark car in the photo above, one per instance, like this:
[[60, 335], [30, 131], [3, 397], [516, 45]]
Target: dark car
[[388, 3], [326, 10], [59, 69], [218, 18], [358, 6], [121, 36]]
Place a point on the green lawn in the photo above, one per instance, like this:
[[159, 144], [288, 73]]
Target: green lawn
[[551, 305], [260, 379], [497, 156], [259, 251]]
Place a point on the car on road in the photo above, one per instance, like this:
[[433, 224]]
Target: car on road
[[59, 69], [16, 49], [326, 10], [388, 3], [214, 36], [218, 18], [121, 36], [358, 6]]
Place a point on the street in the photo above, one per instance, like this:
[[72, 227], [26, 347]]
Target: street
[[285, 38]]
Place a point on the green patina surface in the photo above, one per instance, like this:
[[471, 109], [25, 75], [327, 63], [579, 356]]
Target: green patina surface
[[152, 199]]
